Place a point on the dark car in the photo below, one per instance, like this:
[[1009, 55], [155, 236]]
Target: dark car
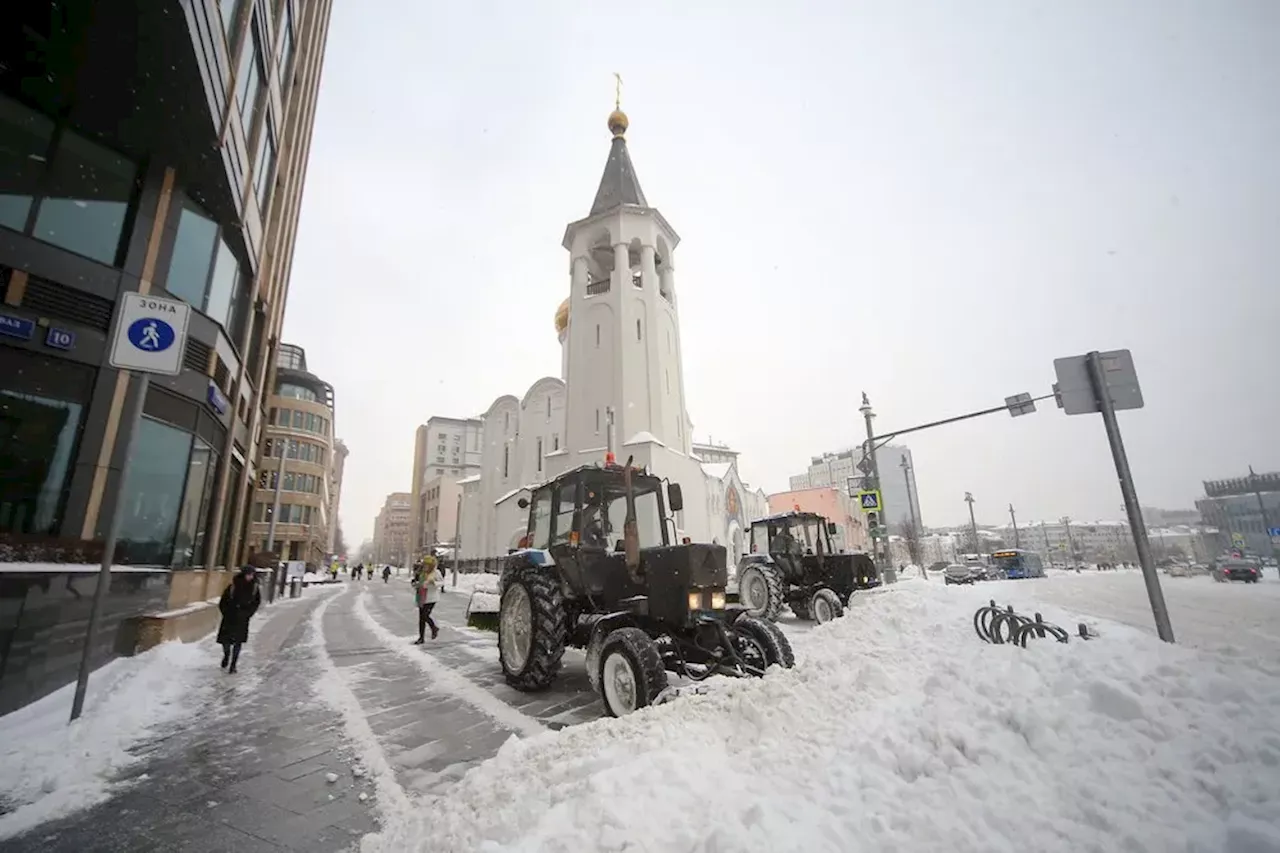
[[1236, 570]]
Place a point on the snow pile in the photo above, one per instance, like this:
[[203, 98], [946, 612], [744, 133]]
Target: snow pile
[[901, 730], [469, 583], [49, 769]]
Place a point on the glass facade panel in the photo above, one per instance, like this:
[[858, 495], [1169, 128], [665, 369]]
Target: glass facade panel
[[230, 11], [285, 59], [153, 492], [86, 198], [192, 256], [264, 163], [297, 392], [24, 143], [38, 439], [188, 546], [223, 284], [249, 87]]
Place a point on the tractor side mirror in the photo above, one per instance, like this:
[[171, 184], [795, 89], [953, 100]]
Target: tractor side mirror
[[523, 503], [831, 528], [675, 497]]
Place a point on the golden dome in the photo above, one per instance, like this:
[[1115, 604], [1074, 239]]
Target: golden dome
[[618, 123], [562, 317]]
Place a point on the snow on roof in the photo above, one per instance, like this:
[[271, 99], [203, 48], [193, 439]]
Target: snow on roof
[[1054, 728], [474, 478], [564, 451], [719, 470], [643, 437], [512, 494]]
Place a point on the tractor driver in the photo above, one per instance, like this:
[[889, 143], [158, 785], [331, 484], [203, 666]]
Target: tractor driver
[[594, 533], [784, 543]]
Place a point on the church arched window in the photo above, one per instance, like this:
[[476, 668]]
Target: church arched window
[[637, 330]]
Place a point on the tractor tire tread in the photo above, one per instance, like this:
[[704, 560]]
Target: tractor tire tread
[[641, 648], [549, 628], [776, 588], [777, 648]]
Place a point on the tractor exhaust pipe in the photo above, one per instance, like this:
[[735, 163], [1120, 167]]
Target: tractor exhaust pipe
[[630, 532]]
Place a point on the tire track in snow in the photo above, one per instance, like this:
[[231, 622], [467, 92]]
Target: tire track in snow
[[392, 802], [448, 680]]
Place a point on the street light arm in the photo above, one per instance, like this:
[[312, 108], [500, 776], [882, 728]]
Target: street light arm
[[890, 436]]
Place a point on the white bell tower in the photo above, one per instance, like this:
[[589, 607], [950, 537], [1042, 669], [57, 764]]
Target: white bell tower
[[623, 347]]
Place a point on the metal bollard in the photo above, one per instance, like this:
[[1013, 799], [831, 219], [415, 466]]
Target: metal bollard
[[295, 588]]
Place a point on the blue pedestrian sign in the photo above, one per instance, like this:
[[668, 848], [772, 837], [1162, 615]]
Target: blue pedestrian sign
[[1274, 531], [150, 334]]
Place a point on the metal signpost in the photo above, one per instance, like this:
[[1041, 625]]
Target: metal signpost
[[150, 337], [1106, 382]]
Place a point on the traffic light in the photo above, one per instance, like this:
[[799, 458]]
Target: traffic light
[[873, 523]]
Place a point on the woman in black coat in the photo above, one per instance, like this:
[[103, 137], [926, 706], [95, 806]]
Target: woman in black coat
[[239, 602]]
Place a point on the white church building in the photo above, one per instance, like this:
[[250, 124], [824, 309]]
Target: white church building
[[619, 333]]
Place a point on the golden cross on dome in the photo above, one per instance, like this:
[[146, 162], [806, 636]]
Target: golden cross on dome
[[617, 90]]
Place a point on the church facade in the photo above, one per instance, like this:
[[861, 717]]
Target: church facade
[[621, 384]]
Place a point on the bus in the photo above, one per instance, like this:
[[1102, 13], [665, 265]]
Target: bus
[[1016, 563]]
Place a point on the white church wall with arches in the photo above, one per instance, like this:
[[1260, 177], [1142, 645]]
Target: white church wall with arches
[[619, 333]]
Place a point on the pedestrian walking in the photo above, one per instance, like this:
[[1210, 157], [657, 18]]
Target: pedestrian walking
[[386, 573], [426, 592], [240, 600]]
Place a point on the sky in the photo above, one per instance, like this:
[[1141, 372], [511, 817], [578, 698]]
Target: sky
[[928, 202]]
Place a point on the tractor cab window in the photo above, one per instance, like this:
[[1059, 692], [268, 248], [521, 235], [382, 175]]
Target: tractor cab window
[[604, 512], [786, 537], [540, 519], [566, 507]]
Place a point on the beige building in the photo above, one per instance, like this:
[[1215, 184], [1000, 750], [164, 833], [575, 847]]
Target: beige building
[[444, 449], [298, 465], [439, 512], [391, 541]]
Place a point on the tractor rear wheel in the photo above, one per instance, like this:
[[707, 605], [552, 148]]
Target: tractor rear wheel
[[631, 673], [770, 639], [532, 628], [825, 606], [760, 588]]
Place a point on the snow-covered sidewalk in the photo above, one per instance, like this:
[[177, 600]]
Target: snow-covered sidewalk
[[901, 730]]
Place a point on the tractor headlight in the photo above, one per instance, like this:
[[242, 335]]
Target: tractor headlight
[[695, 600], [717, 599]]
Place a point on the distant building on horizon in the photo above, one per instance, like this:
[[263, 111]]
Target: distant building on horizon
[[838, 468]]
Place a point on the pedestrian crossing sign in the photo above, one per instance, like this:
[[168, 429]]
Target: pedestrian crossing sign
[[869, 500]]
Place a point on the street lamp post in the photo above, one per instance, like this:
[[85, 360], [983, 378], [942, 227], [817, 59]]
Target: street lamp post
[[1071, 547], [973, 524], [911, 505], [869, 454], [1017, 541]]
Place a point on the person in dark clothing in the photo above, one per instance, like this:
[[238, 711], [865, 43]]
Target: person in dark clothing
[[239, 602], [386, 573]]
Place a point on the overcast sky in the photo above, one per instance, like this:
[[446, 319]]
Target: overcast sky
[[928, 202]]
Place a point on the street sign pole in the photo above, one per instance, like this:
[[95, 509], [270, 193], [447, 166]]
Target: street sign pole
[[150, 336], [140, 385], [1107, 408]]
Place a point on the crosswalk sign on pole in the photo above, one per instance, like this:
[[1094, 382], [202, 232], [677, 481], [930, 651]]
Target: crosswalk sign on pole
[[869, 500]]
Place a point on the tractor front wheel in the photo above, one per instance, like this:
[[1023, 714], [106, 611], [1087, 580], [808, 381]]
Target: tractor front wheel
[[825, 606], [770, 640], [631, 673]]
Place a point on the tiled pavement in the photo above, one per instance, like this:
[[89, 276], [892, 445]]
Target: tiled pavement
[[248, 772]]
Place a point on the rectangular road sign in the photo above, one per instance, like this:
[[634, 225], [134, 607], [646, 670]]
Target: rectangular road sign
[[1273, 531], [869, 500], [1075, 391], [150, 334], [1020, 404]]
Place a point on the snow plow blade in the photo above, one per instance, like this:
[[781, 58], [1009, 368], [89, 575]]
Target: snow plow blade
[[482, 610]]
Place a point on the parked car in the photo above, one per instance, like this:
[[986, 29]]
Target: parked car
[[962, 574], [1178, 570], [1236, 570]]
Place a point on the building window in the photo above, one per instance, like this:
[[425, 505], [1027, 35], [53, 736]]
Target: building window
[[539, 456], [299, 418], [285, 60], [597, 336], [24, 144], [86, 197], [637, 330], [230, 11], [250, 77], [506, 420], [189, 543], [264, 163], [222, 285], [38, 438], [154, 493], [548, 407], [297, 392], [555, 441], [506, 461], [597, 421]]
